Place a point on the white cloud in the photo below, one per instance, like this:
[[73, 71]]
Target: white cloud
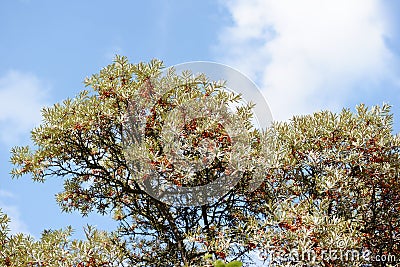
[[112, 51], [6, 194], [22, 96], [307, 55], [16, 225]]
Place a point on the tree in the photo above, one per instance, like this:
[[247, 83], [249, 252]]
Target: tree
[[82, 141], [332, 193], [56, 249], [326, 178]]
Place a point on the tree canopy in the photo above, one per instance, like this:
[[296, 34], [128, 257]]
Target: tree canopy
[[328, 181], [55, 248]]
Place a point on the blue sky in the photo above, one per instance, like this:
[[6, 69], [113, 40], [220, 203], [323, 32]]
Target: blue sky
[[304, 55]]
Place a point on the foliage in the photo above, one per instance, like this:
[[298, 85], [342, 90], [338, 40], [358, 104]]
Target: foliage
[[55, 248], [81, 140], [330, 180], [220, 263], [333, 186]]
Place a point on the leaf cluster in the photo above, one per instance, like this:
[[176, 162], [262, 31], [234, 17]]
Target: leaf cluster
[[328, 181]]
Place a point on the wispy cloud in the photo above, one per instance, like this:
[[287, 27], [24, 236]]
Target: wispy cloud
[[308, 55], [5, 194], [22, 96], [16, 224], [112, 52]]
